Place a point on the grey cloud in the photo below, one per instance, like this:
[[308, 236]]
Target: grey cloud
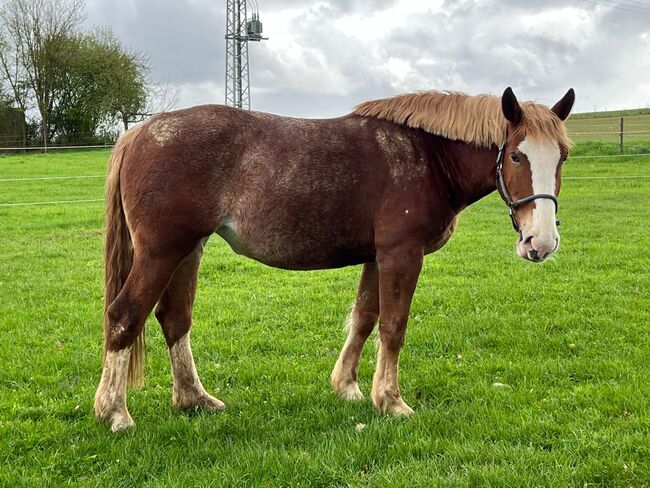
[[489, 55], [535, 5], [363, 6], [341, 6], [472, 45], [184, 39]]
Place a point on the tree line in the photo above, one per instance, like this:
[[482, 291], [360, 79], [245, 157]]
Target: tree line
[[73, 86]]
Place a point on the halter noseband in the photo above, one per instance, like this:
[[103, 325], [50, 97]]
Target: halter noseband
[[513, 204]]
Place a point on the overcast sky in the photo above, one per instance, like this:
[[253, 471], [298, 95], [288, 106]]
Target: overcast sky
[[324, 57]]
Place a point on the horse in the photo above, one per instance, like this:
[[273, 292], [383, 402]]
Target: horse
[[380, 187]]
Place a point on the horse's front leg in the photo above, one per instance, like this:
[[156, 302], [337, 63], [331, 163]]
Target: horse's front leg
[[399, 268], [361, 322]]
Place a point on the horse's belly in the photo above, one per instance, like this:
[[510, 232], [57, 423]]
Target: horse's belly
[[289, 249], [440, 240], [228, 231]]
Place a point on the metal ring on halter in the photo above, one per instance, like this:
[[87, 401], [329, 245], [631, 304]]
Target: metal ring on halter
[[513, 204]]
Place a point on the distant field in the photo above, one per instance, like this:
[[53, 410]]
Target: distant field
[[604, 127], [611, 113], [570, 339]]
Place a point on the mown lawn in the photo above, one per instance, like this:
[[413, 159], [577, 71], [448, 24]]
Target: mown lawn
[[569, 339]]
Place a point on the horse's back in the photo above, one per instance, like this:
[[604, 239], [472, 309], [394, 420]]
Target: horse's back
[[293, 193]]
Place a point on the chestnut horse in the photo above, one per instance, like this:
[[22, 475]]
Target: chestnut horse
[[380, 187]]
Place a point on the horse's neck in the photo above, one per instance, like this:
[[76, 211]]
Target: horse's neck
[[469, 170]]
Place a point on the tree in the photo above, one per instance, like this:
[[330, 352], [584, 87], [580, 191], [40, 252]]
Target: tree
[[78, 82], [126, 86], [101, 83], [36, 36], [131, 96]]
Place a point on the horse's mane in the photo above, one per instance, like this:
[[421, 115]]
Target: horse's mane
[[476, 119]]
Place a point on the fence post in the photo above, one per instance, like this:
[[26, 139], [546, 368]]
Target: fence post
[[622, 148]]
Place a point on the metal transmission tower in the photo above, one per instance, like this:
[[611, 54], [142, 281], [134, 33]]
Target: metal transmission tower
[[240, 30]]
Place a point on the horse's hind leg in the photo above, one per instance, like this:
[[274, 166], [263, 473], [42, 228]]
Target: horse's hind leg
[[149, 275], [361, 322], [174, 312]]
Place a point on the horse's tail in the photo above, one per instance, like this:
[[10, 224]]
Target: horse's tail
[[118, 252]]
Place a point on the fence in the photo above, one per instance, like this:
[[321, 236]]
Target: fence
[[49, 148], [609, 134], [619, 134], [10, 143]]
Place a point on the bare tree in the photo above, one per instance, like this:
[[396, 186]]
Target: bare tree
[[160, 97], [163, 97], [35, 33], [12, 74]]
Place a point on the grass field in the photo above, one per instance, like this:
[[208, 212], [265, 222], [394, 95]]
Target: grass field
[[569, 338]]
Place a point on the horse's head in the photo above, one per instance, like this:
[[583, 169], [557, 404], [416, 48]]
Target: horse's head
[[530, 169]]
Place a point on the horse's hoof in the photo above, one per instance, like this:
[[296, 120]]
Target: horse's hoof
[[117, 416], [204, 401], [121, 421], [401, 409], [211, 404], [348, 391], [391, 404]]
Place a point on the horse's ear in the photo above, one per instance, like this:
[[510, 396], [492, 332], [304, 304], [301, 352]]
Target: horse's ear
[[510, 106], [563, 108]]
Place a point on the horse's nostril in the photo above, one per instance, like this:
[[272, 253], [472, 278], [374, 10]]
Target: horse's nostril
[[528, 240]]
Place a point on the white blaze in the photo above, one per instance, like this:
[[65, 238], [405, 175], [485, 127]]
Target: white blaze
[[543, 156]]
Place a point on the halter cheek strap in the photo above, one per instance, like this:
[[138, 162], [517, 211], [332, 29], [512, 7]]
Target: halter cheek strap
[[513, 204]]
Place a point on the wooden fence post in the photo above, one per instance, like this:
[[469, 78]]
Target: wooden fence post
[[622, 148]]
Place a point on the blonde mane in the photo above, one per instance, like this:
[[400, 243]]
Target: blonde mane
[[476, 119]]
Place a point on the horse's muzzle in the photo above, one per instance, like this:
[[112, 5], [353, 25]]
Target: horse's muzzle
[[537, 249]]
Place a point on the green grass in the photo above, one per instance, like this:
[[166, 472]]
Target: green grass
[[570, 338]]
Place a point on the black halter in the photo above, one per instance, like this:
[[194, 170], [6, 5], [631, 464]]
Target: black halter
[[513, 204]]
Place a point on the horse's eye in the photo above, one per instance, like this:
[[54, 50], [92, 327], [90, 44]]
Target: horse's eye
[[514, 157]]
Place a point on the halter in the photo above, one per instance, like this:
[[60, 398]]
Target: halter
[[513, 204]]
